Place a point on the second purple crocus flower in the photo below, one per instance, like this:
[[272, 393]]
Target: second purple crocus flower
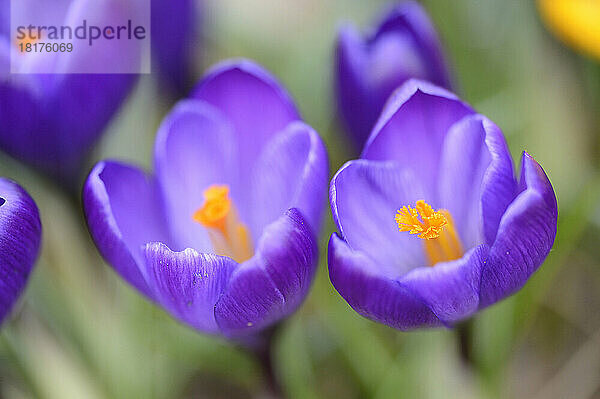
[[403, 45], [433, 226], [223, 234]]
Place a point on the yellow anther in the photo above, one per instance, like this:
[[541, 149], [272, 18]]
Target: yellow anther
[[421, 220], [216, 191], [216, 208], [229, 236], [436, 228]]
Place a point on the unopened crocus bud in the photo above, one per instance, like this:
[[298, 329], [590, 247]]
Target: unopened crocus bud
[[368, 68]]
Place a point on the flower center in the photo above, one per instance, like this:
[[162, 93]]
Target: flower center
[[436, 228], [229, 236]]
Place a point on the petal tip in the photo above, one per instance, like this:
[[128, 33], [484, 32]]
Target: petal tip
[[407, 92], [249, 68]]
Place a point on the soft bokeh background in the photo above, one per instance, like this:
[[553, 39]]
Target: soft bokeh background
[[80, 332]]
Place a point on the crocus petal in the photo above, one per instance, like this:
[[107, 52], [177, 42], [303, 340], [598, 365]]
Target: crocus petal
[[410, 18], [188, 284], [173, 32], [412, 128], [20, 234], [254, 102], [4, 58], [476, 181], [351, 88], [4, 21], [291, 172], [450, 289], [97, 98], [53, 120], [365, 196], [123, 211], [373, 295], [274, 282], [194, 149], [525, 235], [20, 112]]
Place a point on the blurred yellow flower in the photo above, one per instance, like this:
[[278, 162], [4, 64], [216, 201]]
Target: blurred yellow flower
[[576, 22]]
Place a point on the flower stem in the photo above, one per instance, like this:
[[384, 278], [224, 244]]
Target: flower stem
[[262, 348], [465, 337], [272, 386]]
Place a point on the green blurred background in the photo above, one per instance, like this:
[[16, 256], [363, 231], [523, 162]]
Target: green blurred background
[[80, 332]]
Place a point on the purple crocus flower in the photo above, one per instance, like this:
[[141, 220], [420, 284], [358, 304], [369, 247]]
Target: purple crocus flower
[[404, 45], [222, 235], [52, 120], [174, 28], [433, 226], [20, 233]]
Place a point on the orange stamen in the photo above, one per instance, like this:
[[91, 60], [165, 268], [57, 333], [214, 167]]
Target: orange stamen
[[228, 235], [436, 228], [217, 206], [421, 220]]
